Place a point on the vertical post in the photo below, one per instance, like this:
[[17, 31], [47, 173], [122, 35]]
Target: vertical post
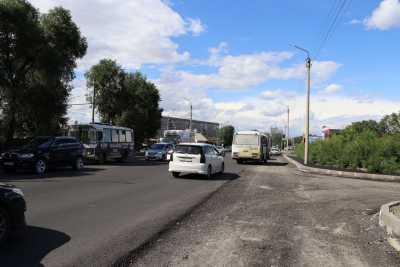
[[191, 116], [287, 136], [93, 102], [307, 126]]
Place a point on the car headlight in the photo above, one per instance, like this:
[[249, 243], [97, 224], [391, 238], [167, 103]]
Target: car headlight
[[159, 153], [2, 155], [18, 191], [26, 156]]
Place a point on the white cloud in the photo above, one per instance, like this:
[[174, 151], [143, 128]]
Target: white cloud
[[248, 70], [133, 32], [195, 26], [332, 88], [265, 112], [385, 16], [273, 94]]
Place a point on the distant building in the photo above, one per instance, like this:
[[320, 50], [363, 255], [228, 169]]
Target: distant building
[[328, 132], [206, 128]]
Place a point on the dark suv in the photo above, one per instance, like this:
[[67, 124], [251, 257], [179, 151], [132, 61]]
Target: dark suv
[[44, 151], [12, 211]]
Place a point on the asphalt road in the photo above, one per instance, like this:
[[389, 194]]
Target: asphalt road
[[274, 215], [94, 217]]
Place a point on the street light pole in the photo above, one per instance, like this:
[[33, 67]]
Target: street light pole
[[93, 102], [307, 122], [191, 113], [191, 116], [287, 136], [308, 64]]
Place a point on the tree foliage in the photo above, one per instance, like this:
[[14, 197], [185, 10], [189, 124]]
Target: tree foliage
[[366, 145], [126, 99], [225, 135], [38, 54]]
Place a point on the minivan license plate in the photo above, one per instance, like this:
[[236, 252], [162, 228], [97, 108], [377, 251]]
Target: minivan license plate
[[8, 163]]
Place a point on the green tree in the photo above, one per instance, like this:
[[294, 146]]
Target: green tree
[[390, 124], [141, 111], [126, 99], [38, 54], [107, 79], [366, 125], [225, 135]]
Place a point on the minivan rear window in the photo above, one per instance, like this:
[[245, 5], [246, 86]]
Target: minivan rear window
[[184, 149]]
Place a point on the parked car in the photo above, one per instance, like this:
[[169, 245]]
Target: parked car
[[44, 151], [275, 151], [12, 211], [196, 158], [158, 151]]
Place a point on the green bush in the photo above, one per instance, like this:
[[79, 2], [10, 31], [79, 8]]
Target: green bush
[[356, 150]]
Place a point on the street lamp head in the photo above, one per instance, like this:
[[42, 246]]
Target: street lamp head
[[304, 50]]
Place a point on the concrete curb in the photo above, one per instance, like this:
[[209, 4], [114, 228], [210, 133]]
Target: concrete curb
[[389, 220], [345, 174]]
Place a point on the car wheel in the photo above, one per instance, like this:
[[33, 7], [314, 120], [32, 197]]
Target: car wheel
[[222, 168], [209, 172], [4, 225], [78, 164], [40, 166], [175, 174]]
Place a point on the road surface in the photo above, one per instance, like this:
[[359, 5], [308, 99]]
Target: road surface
[[94, 217], [276, 216]]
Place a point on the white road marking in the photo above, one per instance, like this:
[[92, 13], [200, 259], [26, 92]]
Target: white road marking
[[266, 187]]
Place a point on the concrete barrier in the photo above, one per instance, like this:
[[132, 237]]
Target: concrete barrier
[[388, 220], [346, 174]]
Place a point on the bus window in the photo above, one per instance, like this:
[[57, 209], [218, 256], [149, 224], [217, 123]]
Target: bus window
[[246, 139], [107, 135], [128, 136], [115, 136], [122, 136]]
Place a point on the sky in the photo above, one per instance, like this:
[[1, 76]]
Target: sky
[[235, 60]]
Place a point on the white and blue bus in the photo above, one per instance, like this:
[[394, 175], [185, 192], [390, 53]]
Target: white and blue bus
[[104, 142]]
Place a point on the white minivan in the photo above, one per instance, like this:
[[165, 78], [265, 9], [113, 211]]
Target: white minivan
[[196, 158]]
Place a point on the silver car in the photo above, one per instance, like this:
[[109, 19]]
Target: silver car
[[158, 151]]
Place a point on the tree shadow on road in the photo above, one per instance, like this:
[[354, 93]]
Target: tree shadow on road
[[29, 248], [226, 176]]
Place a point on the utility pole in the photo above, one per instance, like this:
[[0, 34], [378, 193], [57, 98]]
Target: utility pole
[[93, 102], [191, 116], [287, 136], [308, 65], [307, 122]]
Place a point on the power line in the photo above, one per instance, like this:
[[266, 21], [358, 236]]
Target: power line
[[334, 8], [340, 8]]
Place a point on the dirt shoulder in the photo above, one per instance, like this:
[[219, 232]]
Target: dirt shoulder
[[276, 216]]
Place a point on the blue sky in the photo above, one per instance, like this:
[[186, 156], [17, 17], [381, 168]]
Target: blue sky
[[235, 62]]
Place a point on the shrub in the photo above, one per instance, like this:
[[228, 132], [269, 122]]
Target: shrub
[[355, 150]]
